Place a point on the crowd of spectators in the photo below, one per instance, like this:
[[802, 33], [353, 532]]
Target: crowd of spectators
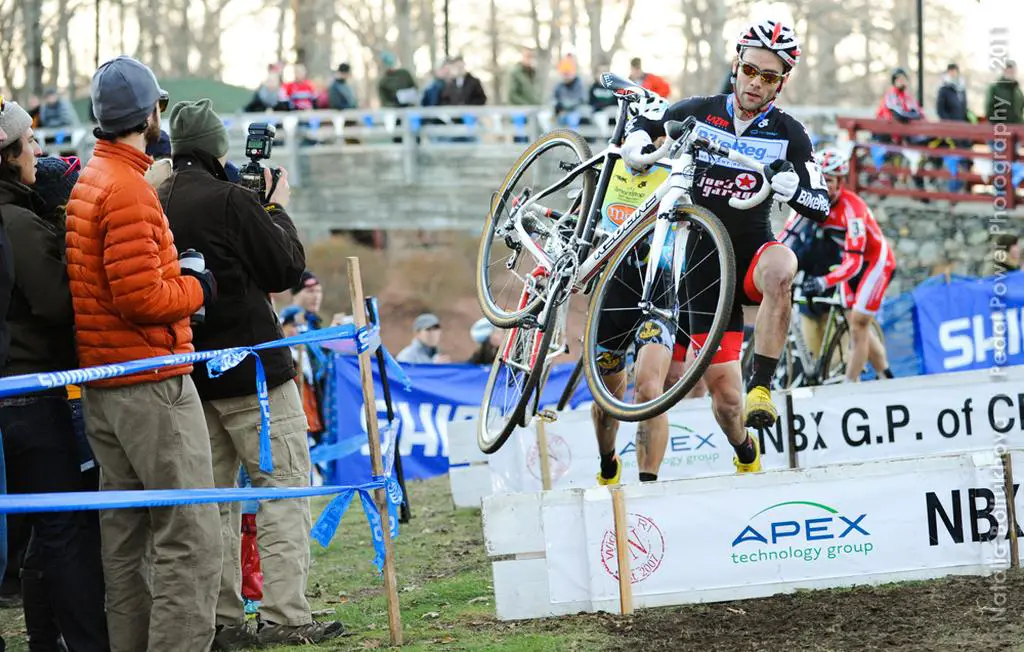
[[127, 259]]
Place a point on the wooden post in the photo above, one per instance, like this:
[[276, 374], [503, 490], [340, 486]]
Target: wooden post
[[790, 430], [622, 551], [355, 289], [542, 452], [1011, 510]]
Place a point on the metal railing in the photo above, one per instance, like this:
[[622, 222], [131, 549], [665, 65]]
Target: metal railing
[[890, 157], [324, 132]]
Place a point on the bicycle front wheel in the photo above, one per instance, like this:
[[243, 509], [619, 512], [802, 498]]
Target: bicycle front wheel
[[507, 275], [620, 326], [513, 387]]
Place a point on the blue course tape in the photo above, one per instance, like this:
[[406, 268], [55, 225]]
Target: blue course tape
[[354, 341], [323, 531]]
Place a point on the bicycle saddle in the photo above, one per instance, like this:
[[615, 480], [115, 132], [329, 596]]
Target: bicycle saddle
[[622, 86]]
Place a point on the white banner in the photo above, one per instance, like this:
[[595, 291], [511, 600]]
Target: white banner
[[696, 447], [728, 538], [936, 415]]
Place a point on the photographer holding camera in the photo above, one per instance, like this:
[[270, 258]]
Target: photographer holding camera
[[251, 246]]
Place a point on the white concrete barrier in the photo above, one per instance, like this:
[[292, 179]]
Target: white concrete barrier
[[902, 418], [733, 537]]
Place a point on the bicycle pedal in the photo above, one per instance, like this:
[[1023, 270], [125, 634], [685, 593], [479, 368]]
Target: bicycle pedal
[[547, 416]]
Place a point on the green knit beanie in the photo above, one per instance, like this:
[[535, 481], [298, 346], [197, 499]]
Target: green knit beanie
[[194, 126]]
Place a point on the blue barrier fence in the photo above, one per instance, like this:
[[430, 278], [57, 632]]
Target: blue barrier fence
[[342, 340]]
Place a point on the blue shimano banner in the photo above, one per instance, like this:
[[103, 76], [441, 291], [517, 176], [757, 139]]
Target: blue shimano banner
[[970, 324], [438, 394]]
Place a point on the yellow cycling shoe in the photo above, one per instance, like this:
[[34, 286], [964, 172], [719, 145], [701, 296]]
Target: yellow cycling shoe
[[601, 480], [753, 467], [759, 411]]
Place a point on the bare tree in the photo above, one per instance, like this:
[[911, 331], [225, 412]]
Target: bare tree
[[32, 15], [545, 44], [596, 13]]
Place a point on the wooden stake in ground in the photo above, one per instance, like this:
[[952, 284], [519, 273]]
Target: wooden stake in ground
[[1011, 510], [622, 550], [355, 289], [542, 453]]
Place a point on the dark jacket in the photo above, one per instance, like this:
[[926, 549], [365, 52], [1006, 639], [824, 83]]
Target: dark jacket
[[469, 93], [1005, 102], [40, 317], [6, 286], [951, 103], [341, 95], [432, 93], [251, 252]]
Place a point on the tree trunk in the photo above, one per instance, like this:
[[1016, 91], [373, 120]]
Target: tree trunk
[[57, 45], [494, 35], [428, 29], [406, 38], [281, 20], [32, 15]]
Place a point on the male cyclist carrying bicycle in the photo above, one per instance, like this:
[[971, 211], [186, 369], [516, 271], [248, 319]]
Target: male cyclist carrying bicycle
[[865, 269], [745, 120]]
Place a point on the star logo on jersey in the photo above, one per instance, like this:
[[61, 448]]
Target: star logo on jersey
[[745, 181]]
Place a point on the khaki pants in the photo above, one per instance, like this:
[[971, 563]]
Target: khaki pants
[[282, 526], [162, 564], [814, 331]]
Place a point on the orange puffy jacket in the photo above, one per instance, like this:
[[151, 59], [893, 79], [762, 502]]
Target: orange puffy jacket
[[130, 298]]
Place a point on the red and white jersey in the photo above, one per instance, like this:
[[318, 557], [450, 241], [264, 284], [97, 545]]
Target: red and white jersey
[[864, 242]]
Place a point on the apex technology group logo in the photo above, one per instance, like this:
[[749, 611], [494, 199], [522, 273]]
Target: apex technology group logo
[[801, 530]]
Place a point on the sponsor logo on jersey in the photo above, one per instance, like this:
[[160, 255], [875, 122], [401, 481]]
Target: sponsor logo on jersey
[[745, 181], [649, 331], [761, 149], [717, 121], [617, 213], [813, 201]]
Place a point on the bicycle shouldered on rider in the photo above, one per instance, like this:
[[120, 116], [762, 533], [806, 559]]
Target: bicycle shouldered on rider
[[748, 121]]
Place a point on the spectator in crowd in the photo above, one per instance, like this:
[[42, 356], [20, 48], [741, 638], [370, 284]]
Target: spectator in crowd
[[341, 95], [63, 571], [522, 82], [650, 81], [432, 93], [951, 103], [462, 89], [487, 340], [301, 92], [898, 103], [728, 81], [396, 87], [424, 345], [307, 296], [132, 300], [569, 95], [600, 98], [161, 149], [6, 285], [56, 111], [1005, 101], [1004, 257], [253, 250], [270, 96], [34, 106]]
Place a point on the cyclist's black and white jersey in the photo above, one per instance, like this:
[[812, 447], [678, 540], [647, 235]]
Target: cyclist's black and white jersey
[[772, 135]]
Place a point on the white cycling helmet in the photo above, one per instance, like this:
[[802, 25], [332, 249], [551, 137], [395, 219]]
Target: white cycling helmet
[[833, 162], [774, 36], [481, 330]]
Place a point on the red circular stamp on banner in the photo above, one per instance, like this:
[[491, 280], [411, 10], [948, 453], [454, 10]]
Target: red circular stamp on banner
[[646, 548], [559, 458]]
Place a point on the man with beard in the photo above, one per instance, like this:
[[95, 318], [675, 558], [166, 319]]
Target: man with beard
[[133, 300], [745, 119]]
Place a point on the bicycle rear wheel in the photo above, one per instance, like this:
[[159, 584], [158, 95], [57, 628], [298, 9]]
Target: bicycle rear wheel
[[504, 267], [615, 308], [514, 384], [832, 368]]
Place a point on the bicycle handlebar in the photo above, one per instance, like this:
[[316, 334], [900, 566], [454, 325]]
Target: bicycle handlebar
[[760, 195]]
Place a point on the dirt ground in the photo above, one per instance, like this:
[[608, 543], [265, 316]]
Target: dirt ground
[[958, 613]]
